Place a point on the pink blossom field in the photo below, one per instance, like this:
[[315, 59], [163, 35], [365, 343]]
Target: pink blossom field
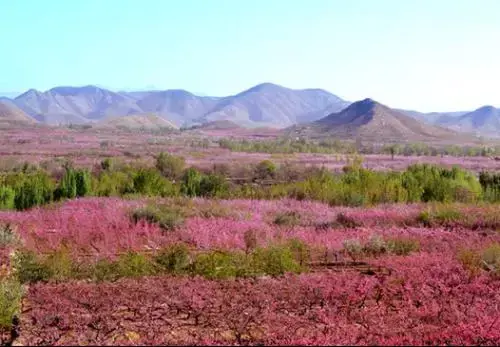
[[88, 148], [427, 297], [103, 227]]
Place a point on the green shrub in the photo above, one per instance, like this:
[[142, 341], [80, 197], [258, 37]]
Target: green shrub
[[275, 260], [105, 270], [175, 258], [491, 258], [375, 245], [83, 183], [213, 186], [149, 182], [487, 259], [471, 260], [29, 268], [11, 293], [167, 219], [170, 166], [402, 246], [266, 169], [289, 218], [250, 238], [191, 181], [107, 164], [440, 216], [67, 186], [215, 265], [35, 189], [300, 251], [7, 196], [347, 221], [113, 184], [59, 265], [8, 237], [134, 264], [213, 210], [353, 248]]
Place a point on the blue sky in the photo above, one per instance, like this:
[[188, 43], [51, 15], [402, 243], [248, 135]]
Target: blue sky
[[429, 55]]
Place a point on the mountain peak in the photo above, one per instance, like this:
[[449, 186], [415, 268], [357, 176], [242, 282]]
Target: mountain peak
[[368, 102], [29, 92], [65, 90], [363, 106], [267, 86], [486, 108]]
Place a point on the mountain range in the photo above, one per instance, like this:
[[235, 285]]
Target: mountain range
[[264, 105]]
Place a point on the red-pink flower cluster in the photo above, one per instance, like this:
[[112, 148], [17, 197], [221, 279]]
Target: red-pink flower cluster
[[103, 227], [426, 300]]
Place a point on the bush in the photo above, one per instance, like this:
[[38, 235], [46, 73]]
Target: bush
[[170, 166], [175, 259], [35, 189], [10, 301], [440, 217], [402, 246], [471, 260], [213, 186], [353, 248], [149, 182], [134, 264], [7, 196], [275, 260], [7, 236], [250, 238], [113, 184], [289, 218], [214, 210], [347, 221], [107, 164], [191, 181], [83, 183], [375, 246], [74, 183], [300, 250], [59, 265], [215, 265], [491, 258], [67, 187], [29, 268], [488, 259], [266, 169], [105, 270], [167, 219]]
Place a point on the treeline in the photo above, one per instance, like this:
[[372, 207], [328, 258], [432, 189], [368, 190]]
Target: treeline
[[170, 177], [345, 147]]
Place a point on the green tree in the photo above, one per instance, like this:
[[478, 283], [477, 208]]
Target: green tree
[[213, 185], [35, 189], [7, 196], [265, 169], [83, 183], [170, 166], [191, 181]]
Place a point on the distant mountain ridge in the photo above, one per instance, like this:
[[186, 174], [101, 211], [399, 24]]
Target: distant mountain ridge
[[264, 105]]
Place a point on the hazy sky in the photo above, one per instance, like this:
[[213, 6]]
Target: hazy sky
[[429, 55]]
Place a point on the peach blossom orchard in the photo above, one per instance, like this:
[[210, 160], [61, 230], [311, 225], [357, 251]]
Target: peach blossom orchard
[[426, 297]]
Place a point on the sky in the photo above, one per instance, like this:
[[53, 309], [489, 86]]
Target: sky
[[426, 55]]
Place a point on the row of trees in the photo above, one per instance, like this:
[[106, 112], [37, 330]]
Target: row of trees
[[170, 177], [347, 147]]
